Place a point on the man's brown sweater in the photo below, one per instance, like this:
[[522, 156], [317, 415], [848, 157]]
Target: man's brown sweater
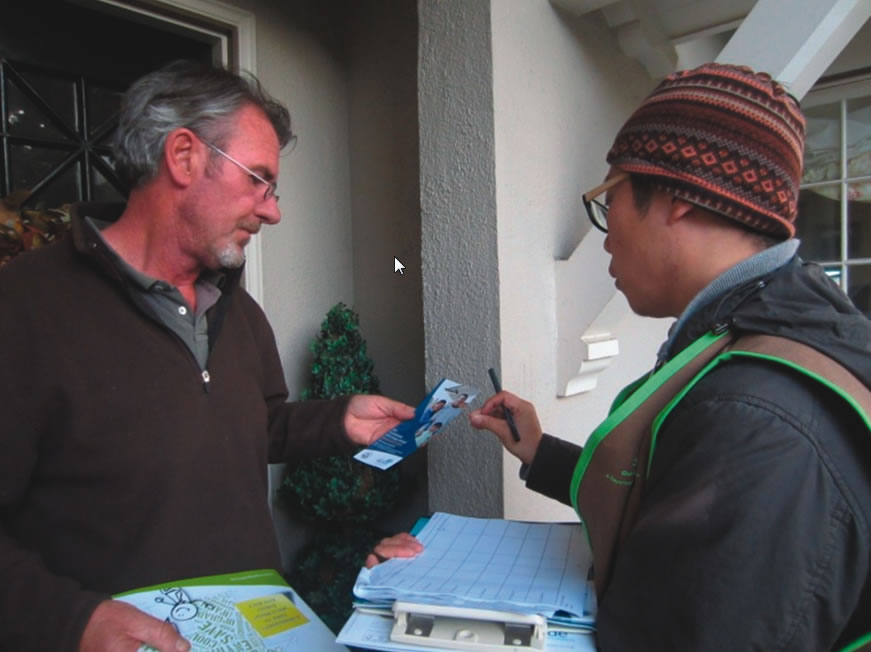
[[121, 466]]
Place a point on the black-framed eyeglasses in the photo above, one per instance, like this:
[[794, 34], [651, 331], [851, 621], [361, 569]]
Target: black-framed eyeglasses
[[597, 210], [271, 186]]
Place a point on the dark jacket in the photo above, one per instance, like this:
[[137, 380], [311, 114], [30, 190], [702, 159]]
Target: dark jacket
[[119, 469], [754, 531]]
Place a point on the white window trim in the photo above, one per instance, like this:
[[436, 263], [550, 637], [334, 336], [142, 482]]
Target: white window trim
[[839, 91], [834, 91]]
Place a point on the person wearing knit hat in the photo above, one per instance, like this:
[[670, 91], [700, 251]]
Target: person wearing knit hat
[[727, 496]]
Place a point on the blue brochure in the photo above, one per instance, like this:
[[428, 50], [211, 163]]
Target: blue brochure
[[441, 405]]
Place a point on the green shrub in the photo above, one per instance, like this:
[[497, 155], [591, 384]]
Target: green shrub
[[339, 495]]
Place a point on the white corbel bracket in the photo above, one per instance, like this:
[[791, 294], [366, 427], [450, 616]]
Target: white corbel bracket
[[583, 290], [599, 350]]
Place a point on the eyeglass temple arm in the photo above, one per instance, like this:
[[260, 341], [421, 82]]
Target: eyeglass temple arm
[[602, 187]]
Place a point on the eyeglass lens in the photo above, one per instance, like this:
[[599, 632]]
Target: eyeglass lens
[[598, 212], [271, 187]]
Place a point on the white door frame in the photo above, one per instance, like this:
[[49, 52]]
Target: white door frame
[[242, 23]]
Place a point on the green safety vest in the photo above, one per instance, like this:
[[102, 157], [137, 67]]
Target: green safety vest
[[611, 473]]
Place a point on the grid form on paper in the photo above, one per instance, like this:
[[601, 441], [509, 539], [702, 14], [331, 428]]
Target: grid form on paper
[[498, 560]]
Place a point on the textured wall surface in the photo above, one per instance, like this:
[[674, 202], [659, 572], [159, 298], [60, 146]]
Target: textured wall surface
[[476, 190], [458, 253], [307, 258], [350, 199], [385, 212], [561, 91], [385, 195]]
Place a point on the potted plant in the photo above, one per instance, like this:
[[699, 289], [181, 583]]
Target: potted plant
[[342, 498]]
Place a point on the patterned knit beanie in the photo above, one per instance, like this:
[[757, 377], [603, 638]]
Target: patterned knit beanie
[[724, 138]]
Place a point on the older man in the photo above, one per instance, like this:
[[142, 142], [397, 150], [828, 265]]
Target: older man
[[728, 494], [143, 392]]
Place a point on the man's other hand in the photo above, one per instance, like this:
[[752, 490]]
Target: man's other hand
[[399, 545], [120, 627]]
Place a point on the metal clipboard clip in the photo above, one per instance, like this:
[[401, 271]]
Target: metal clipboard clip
[[462, 628]]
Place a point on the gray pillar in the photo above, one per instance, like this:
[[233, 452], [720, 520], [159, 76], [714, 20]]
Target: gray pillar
[[458, 241]]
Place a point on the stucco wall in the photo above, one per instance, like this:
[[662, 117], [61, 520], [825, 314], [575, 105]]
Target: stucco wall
[[385, 198], [385, 211], [476, 191], [458, 252], [307, 258], [561, 91], [349, 194], [518, 105]]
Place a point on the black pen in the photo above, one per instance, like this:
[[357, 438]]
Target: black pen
[[498, 387]]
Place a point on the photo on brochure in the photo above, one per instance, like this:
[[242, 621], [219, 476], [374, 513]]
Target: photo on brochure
[[431, 416]]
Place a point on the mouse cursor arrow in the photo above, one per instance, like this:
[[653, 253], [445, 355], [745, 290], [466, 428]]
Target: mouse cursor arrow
[[397, 266]]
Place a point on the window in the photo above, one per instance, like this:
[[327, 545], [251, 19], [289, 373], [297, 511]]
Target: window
[[54, 150], [834, 214], [55, 136]]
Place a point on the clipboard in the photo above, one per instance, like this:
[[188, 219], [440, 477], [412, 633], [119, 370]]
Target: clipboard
[[470, 629], [460, 620]]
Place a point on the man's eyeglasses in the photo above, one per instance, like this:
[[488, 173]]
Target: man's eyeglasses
[[271, 186], [597, 210]]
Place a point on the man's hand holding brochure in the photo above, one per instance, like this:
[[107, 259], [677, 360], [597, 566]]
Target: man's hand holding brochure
[[441, 405]]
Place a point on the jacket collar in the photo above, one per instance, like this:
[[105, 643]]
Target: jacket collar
[[797, 301], [87, 243], [742, 275]]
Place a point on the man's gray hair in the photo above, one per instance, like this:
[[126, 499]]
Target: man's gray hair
[[186, 94]]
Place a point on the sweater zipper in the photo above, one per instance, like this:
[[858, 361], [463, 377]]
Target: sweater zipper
[[204, 373]]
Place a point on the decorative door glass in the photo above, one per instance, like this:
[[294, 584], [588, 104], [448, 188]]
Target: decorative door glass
[[54, 149]]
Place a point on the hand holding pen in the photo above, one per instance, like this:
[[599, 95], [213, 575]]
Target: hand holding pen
[[513, 420], [497, 387]]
